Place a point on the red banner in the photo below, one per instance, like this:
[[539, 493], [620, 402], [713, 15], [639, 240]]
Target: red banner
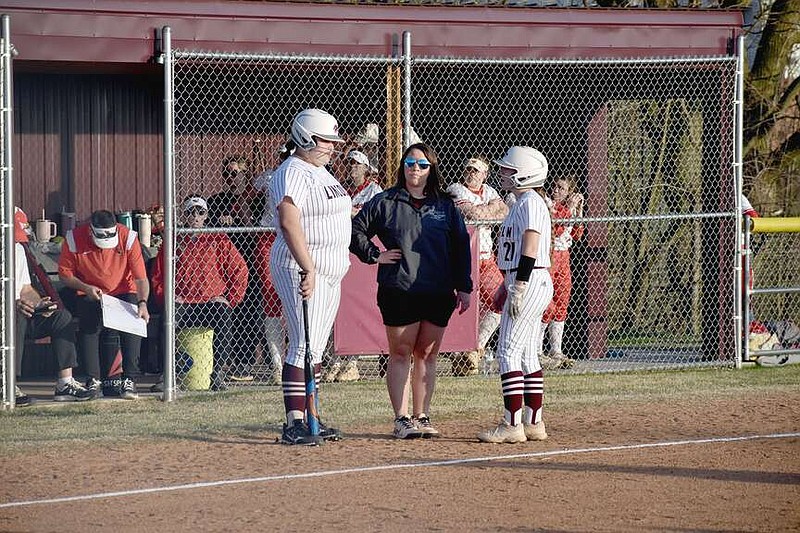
[[359, 330]]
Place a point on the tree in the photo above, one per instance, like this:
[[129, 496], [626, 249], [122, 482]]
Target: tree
[[772, 111], [771, 154]]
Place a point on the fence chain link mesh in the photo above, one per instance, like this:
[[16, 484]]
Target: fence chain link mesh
[[773, 308], [648, 143]]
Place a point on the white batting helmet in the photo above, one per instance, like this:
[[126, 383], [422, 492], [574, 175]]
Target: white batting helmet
[[530, 165], [311, 123]]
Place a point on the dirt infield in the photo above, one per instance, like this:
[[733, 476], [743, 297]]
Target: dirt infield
[[630, 468]]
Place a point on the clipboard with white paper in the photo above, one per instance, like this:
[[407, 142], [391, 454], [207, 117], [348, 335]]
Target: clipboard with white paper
[[122, 316]]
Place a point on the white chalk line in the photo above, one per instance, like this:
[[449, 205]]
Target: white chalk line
[[378, 468]]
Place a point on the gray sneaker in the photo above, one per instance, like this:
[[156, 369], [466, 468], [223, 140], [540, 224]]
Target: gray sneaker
[[128, 390], [72, 391], [120, 387], [21, 399], [425, 427], [93, 385], [405, 428]]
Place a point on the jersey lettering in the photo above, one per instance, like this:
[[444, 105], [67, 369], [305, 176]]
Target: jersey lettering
[[335, 191]]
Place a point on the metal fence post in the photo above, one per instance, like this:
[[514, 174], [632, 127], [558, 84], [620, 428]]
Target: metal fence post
[[167, 244], [406, 89], [741, 318], [9, 277]]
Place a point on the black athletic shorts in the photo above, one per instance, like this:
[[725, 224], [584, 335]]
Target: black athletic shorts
[[401, 308]]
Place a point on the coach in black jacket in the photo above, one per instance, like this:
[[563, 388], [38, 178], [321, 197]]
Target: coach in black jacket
[[423, 275]]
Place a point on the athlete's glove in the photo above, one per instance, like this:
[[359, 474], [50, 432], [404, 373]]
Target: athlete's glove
[[516, 296]]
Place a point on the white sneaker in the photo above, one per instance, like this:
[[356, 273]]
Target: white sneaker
[[405, 428], [466, 363], [349, 371], [547, 362], [535, 431], [330, 373], [503, 433], [425, 427], [561, 361]]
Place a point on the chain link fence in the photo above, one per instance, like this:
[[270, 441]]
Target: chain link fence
[[772, 303], [647, 143]]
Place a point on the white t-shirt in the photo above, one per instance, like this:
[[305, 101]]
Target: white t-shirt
[[261, 183], [529, 212], [363, 196], [324, 215], [463, 196], [20, 269]]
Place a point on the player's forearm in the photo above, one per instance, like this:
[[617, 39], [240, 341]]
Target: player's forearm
[[71, 282], [142, 289], [494, 210]]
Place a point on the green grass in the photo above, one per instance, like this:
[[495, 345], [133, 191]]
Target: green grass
[[246, 413]]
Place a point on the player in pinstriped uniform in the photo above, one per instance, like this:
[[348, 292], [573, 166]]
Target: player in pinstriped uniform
[[313, 219], [523, 255]]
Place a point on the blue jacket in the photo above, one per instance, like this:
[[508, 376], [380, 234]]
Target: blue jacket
[[433, 239]]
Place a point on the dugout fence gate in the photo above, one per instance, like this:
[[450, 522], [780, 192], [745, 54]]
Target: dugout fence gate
[[653, 144]]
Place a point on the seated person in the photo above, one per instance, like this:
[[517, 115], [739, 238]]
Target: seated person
[[210, 280], [41, 317], [97, 258]]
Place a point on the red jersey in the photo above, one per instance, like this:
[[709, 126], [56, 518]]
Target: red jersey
[[112, 270], [206, 266], [562, 211]]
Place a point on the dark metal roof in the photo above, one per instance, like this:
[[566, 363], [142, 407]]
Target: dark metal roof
[[124, 31]]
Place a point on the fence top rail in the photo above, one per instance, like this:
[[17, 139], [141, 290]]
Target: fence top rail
[[625, 62], [616, 218], [226, 230], [231, 56], [775, 225]]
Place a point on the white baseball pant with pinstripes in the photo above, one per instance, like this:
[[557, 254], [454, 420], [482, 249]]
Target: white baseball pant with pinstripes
[[517, 344], [322, 308]]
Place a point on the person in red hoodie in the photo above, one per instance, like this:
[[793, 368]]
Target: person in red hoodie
[[210, 280]]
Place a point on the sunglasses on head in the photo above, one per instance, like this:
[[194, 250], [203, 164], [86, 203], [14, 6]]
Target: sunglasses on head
[[195, 211], [421, 163]]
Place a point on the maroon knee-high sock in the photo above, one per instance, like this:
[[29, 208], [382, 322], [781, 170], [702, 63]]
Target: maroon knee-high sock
[[294, 392], [534, 395], [512, 383]]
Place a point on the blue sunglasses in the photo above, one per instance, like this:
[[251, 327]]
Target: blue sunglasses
[[421, 163]]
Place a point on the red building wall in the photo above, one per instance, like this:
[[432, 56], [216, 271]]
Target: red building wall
[[88, 98]]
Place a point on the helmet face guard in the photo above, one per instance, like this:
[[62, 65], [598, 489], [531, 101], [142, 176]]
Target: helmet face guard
[[529, 164], [311, 123]]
